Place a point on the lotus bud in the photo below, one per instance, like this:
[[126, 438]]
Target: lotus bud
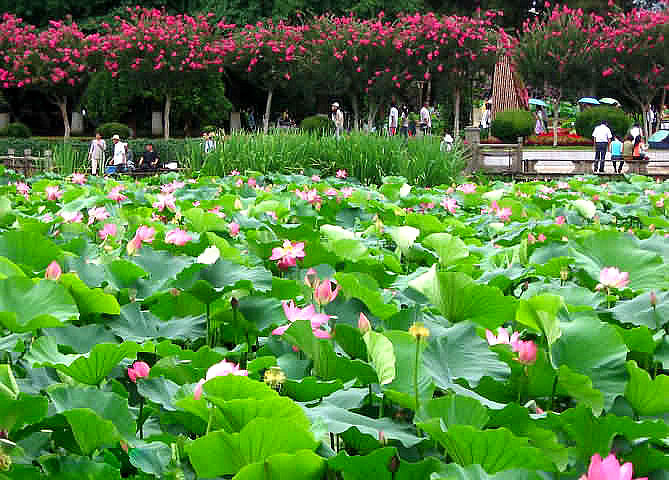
[[419, 331], [382, 438], [138, 370], [53, 271], [363, 323], [653, 299]]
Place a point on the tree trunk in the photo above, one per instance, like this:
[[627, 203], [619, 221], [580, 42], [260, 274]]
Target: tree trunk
[[268, 109], [356, 111], [456, 110], [428, 93], [166, 116], [556, 119], [371, 116], [62, 105], [663, 101]]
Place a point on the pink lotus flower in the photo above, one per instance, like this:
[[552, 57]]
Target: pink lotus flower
[[342, 174], [527, 351], [323, 293], [98, 213], [560, 220], [171, 187], [116, 195], [178, 237], [467, 188], [347, 192], [502, 337], [72, 217], [234, 229], [504, 214], [449, 204], [22, 188], [294, 313], [143, 234], [288, 254], [53, 193], [134, 245], [252, 182], [541, 237], [611, 277], [363, 323], [531, 239], [220, 369], [234, 173], [53, 271], [109, 230], [47, 218], [165, 201], [78, 178], [660, 203], [138, 370], [609, 469]]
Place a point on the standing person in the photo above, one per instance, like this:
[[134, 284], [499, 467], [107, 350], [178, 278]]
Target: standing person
[[446, 144], [209, 142], [616, 153], [602, 136], [539, 127], [96, 154], [393, 120], [404, 123], [119, 157], [337, 119], [485, 117], [635, 131], [425, 119], [650, 116]]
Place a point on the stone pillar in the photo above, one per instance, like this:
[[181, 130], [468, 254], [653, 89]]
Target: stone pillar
[[4, 120], [473, 140], [235, 121], [77, 127], [156, 124]]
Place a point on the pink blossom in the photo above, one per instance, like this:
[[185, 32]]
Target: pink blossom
[[449, 203], [252, 182], [234, 229], [504, 214], [234, 173], [609, 469], [363, 323], [146, 234], [53, 271], [541, 237], [177, 237], [220, 369], [288, 254], [165, 201], [342, 173], [116, 195], [78, 178], [171, 187], [138, 370], [53, 193], [660, 203], [527, 351], [310, 196], [22, 188], [611, 277], [47, 218], [502, 337], [315, 178], [531, 239], [560, 220], [323, 293], [196, 203], [331, 192], [347, 192], [72, 217], [294, 313], [563, 185], [97, 214], [109, 230], [467, 188]]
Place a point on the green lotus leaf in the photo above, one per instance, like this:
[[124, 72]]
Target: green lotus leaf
[[649, 397]]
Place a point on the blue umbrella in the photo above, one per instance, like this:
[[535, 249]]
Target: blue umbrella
[[536, 101], [592, 101]]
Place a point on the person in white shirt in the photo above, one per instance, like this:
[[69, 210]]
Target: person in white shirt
[[119, 152], [635, 131], [337, 119], [425, 119], [96, 153], [602, 136], [650, 117], [393, 120], [446, 143]]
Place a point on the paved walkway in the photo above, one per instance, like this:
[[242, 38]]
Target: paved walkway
[[559, 161]]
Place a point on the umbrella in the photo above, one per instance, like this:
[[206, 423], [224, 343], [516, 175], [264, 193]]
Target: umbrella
[[592, 101], [609, 101], [536, 101]]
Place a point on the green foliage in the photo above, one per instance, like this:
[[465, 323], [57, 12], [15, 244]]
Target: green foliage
[[511, 124], [110, 129], [317, 124], [619, 122], [16, 130], [107, 98]]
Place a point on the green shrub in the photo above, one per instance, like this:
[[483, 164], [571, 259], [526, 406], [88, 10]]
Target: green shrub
[[108, 130], [317, 124], [16, 130], [511, 124], [586, 121]]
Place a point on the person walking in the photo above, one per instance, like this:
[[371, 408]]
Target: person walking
[[635, 131], [539, 127], [96, 154], [616, 153], [338, 120], [425, 119], [602, 136], [393, 121], [119, 157]]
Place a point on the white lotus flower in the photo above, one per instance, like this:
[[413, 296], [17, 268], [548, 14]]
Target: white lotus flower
[[209, 256]]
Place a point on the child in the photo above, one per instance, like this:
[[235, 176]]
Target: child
[[616, 153]]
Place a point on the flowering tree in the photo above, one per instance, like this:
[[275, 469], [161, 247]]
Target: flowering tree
[[557, 53], [54, 61], [449, 48], [635, 48], [267, 53], [167, 53]]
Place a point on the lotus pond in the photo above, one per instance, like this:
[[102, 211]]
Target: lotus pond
[[292, 327]]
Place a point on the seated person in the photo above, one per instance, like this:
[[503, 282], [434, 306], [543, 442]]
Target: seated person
[[149, 159], [129, 159]]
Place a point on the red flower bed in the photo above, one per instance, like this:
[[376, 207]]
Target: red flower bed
[[570, 140]]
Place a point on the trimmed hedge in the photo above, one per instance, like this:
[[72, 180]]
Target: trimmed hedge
[[619, 122], [107, 130], [16, 130], [317, 124], [511, 124]]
